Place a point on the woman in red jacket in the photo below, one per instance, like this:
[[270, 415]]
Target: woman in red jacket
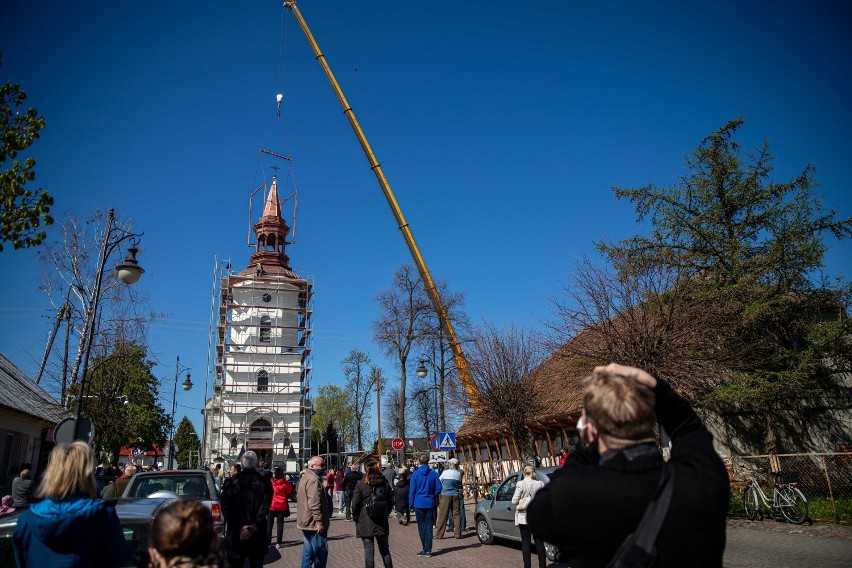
[[281, 489]]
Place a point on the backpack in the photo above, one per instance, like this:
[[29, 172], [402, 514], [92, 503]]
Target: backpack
[[377, 503]]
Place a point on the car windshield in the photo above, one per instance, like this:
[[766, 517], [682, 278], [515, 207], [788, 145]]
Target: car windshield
[[189, 486]]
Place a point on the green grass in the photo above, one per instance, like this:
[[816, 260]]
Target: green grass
[[819, 509]]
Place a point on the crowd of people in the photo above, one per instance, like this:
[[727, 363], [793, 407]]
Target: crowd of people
[[614, 475]]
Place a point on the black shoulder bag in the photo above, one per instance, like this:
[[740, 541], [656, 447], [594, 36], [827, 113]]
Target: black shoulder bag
[[639, 549]]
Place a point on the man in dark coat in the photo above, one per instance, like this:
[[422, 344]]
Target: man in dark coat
[[599, 496], [400, 497], [349, 482], [246, 499]]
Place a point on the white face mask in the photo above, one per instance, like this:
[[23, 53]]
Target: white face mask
[[586, 439]]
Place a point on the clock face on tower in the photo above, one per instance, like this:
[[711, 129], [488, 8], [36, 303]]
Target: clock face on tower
[[266, 298]]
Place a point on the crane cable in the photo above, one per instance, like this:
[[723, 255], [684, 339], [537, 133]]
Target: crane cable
[[278, 86]]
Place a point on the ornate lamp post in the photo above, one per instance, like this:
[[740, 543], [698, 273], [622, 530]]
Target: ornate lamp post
[[129, 272], [187, 385], [422, 372]]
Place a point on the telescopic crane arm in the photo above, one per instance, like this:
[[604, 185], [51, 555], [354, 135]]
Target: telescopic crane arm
[[429, 284]]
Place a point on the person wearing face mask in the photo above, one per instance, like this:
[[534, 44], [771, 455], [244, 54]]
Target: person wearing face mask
[[616, 473], [313, 513]]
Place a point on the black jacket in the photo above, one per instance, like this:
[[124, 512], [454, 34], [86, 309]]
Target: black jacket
[[351, 480], [365, 525], [246, 499], [588, 509], [400, 491]]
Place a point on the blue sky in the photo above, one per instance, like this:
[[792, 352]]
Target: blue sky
[[501, 127]]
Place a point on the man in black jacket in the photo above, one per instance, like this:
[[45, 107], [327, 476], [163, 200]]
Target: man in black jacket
[[599, 496], [349, 483], [246, 499]]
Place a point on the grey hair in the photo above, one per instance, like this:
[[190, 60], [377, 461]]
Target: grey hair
[[249, 460], [130, 469]]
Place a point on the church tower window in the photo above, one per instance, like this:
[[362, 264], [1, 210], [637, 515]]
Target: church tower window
[[265, 329], [262, 380]]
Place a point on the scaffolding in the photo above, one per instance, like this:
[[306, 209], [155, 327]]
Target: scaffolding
[[263, 347]]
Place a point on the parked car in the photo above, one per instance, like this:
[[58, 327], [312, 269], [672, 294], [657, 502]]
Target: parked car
[[135, 515], [293, 478], [197, 484], [495, 515]]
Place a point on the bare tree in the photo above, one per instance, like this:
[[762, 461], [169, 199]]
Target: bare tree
[[360, 381], [439, 355], [500, 362], [403, 307], [649, 317], [426, 419], [69, 269], [390, 410]]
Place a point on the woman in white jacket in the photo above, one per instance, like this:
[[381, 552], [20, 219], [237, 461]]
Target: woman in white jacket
[[525, 490]]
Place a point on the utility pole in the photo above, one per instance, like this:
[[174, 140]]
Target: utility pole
[[379, 409]]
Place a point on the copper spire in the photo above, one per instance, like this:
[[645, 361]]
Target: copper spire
[[271, 232], [272, 208]]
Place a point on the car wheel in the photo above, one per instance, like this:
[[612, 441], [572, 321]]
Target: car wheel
[[552, 552], [483, 531]]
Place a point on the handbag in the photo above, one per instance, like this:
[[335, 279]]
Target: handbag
[[524, 502], [639, 548]]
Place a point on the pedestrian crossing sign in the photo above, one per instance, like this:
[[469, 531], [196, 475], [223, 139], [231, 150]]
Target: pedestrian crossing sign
[[446, 441]]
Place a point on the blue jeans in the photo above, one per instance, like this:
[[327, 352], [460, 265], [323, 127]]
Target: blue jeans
[[314, 549], [424, 527]]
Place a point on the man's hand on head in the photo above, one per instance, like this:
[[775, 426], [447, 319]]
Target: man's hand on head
[[642, 377]]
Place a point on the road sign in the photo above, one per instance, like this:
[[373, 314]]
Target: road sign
[[435, 457], [397, 444], [64, 433], [446, 441], [433, 442]]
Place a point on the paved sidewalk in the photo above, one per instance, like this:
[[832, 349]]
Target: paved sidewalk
[[345, 550], [772, 544], [749, 545]]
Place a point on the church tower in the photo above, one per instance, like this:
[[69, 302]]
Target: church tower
[[263, 348]]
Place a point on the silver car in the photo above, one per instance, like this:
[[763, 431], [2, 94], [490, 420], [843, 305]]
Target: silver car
[[495, 515], [195, 484]]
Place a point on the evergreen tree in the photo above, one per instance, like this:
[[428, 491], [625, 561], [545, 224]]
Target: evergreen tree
[[188, 443], [743, 255]]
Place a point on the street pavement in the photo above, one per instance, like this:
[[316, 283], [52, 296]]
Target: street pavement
[[750, 544]]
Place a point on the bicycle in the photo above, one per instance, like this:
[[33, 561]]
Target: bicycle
[[787, 499]]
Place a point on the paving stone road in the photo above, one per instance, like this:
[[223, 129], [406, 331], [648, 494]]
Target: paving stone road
[[750, 544]]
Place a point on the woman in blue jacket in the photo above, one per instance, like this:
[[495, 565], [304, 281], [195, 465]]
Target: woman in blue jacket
[[69, 528]]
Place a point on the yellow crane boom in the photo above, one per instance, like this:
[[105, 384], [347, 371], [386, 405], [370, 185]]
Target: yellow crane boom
[[429, 284]]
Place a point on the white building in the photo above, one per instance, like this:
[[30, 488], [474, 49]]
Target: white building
[[262, 355]]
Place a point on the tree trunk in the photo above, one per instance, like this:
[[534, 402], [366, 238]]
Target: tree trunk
[[402, 383]]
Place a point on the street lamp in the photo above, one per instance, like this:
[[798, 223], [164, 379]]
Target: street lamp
[[129, 272], [187, 385], [422, 372]]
